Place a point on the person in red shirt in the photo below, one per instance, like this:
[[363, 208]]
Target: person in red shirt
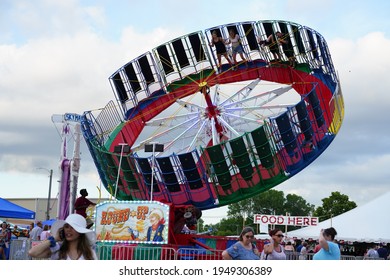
[[81, 204], [317, 247]]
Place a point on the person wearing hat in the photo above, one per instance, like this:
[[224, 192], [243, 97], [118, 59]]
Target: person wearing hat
[[157, 224], [70, 240]]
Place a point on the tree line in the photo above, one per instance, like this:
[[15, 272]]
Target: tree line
[[273, 202]]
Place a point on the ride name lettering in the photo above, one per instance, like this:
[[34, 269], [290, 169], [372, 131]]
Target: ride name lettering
[[115, 217]]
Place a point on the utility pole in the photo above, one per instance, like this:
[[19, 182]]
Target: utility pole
[[49, 196]]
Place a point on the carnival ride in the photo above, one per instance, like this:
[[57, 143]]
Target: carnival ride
[[225, 138], [217, 135]]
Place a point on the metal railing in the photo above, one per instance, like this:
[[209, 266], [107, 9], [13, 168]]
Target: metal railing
[[133, 252], [19, 251], [309, 256]]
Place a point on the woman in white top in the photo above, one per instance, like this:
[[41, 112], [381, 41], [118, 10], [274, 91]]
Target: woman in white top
[[274, 250], [45, 233], [235, 40], [303, 252], [70, 240]]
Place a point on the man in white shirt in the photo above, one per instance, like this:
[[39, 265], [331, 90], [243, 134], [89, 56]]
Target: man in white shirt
[[372, 253]]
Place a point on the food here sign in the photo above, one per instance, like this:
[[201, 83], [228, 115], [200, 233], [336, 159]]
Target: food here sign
[[285, 220]]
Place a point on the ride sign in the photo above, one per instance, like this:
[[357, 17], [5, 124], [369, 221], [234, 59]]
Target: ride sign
[[285, 220], [132, 222], [72, 117]]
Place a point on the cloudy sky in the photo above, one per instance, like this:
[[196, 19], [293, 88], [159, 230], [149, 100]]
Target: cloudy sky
[[56, 57]]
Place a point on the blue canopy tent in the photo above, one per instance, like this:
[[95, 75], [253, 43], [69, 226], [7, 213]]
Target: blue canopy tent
[[11, 210], [49, 222]]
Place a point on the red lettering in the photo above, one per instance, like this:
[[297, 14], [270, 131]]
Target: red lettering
[[285, 220], [115, 217], [264, 219], [103, 221], [141, 212], [126, 214], [109, 218], [298, 221]]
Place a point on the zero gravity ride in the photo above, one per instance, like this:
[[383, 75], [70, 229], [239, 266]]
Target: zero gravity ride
[[218, 135]]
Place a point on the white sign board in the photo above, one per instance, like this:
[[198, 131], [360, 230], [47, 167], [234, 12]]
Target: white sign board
[[285, 220]]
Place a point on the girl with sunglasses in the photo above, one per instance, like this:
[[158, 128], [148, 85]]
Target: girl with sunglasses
[[243, 249], [274, 250]]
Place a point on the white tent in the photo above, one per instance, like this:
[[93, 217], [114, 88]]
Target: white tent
[[367, 223]]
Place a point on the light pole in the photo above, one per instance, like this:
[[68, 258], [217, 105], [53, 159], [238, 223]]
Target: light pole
[[49, 194], [153, 147], [121, 148]]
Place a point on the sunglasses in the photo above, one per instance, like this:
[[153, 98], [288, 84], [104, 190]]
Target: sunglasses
[[279, 235], [249, 236]]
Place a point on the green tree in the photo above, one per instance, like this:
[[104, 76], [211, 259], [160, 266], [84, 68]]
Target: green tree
[[334, 205], [241, 209], [228, 226], [200, 225], [269, 203], [296, 205]]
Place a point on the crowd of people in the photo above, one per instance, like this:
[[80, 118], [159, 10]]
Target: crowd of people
[[276, 249], [66, 239], [7, 233], [325, 248], [72, 239]]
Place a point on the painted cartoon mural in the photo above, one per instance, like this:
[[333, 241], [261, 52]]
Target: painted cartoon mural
[[132, 222]]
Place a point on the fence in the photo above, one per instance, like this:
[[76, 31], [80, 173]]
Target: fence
[[309, 256], [142, 252], [19, 251]]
